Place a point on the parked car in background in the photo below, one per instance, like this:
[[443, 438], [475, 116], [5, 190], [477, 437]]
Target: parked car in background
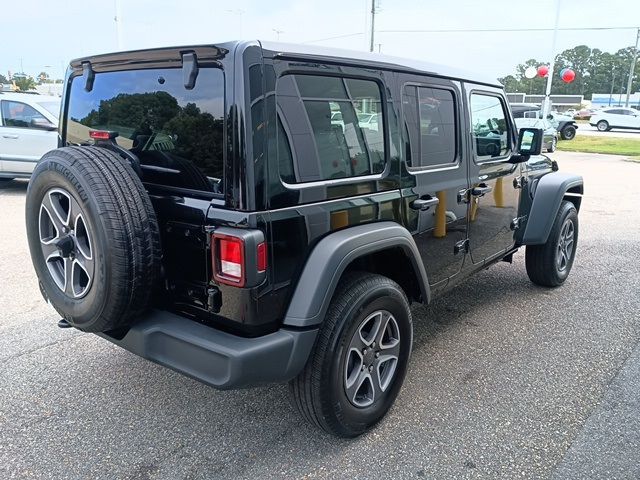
[[621, 117], [368, 120], [565, 125], [585, 113], [571, 112], [28, 130], [550, 136]]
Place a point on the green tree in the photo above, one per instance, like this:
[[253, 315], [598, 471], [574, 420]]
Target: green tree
[[596, 72], [3, 79], [43, 77], [25, 84]]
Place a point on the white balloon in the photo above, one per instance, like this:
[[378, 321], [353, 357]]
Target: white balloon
[[531, 72]]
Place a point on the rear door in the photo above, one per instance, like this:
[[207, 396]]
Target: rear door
[[494, 182], [434, 173], [21, 143]]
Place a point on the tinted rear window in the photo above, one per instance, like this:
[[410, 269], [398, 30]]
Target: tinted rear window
[[176, 133]]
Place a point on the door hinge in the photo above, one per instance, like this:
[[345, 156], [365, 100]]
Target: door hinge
[[517, 222], [461, 246], [519, 182]]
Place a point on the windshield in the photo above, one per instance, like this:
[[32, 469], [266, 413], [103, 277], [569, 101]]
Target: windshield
[[176, 133], [52, 107]]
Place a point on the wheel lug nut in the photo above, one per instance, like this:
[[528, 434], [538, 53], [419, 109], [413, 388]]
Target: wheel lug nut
[[371, 368], [364, 352], [377, 355]]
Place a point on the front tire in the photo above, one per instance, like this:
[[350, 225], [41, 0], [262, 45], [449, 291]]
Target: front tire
[[360, 358], [553, 146], [568, 132], [549, 265]]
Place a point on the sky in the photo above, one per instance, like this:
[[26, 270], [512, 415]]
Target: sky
[[46, 34]]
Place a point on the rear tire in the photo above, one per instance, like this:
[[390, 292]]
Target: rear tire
[[93, 237], [549, 265], [335, 391], [552, 147], [603, 126]]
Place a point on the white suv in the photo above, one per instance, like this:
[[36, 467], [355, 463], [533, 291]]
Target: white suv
[[617, 117], [28, 129]]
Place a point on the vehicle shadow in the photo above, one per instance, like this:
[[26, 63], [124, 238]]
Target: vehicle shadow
[[259, 425], [15, 187]]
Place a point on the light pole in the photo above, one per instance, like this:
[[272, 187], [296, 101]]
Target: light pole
[[373, 24], [239, 12], [632, 69], [546, 106], [278, 32]]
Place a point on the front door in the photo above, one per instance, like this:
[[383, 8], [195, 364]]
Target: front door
[[22, 143], [494, 182], [434, 173]]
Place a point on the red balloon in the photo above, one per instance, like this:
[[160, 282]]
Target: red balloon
[[568, 75], [543, 71]]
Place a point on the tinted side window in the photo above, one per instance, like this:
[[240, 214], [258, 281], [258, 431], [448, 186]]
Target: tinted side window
[[429, 115], [489, 126], [336, 127], [18, 114]]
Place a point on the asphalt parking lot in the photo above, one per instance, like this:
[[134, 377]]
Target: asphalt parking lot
[[507, 380]]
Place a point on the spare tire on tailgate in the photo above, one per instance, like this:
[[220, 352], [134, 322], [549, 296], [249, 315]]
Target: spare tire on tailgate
[[93, 237]]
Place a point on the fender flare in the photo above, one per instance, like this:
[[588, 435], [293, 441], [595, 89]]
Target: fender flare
[[330, 258], [548, 195]]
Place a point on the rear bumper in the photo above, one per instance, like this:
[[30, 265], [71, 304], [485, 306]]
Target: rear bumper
[[217, 358]]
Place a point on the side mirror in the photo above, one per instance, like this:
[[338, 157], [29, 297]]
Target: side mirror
[[530, 141], [42, 124]]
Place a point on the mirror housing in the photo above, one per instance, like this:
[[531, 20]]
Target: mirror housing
[[530, 141], [42, 124]]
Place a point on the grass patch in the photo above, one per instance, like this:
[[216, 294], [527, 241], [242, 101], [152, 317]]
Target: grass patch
[[609, 145]]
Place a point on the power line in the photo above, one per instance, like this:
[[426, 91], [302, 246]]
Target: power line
[[473, 30], [346, 35], [490, 30]]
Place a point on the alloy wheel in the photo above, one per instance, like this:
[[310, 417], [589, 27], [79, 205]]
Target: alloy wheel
[[66, 243], [372, 359], [565, 245]]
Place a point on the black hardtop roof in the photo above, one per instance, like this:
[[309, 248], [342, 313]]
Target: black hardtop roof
[[383, 61], [277, 49]]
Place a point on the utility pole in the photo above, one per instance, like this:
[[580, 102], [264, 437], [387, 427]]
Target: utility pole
[[633, 67], [546, 106], [373, 23], [118, 20], [278, 32]]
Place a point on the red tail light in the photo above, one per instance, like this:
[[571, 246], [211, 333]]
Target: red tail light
[[228, 259], [239, 256], [102, 134]]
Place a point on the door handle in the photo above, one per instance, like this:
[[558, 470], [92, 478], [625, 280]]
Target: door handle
[[481, 190], [6, 135], [425, 203]]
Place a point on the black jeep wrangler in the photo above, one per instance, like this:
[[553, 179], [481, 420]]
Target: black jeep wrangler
[[249, 212]]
